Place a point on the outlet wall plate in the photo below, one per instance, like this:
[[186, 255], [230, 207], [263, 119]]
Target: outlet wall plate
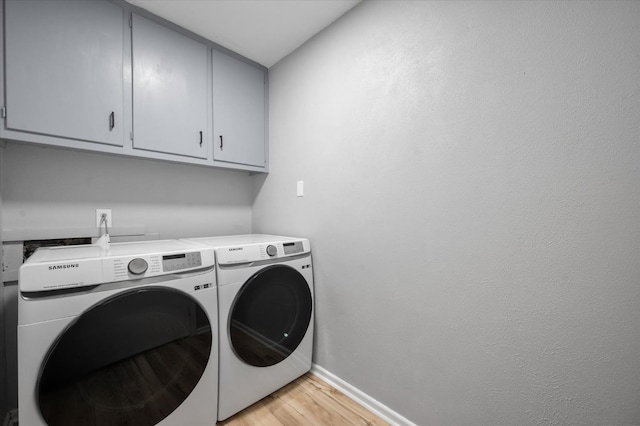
[[99, 213]]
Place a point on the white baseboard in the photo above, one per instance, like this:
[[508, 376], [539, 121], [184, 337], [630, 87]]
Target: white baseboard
[[377, 408]]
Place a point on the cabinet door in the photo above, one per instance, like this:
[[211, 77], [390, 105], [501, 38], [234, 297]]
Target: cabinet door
[[238, 111], [64, 69], [169, 91]]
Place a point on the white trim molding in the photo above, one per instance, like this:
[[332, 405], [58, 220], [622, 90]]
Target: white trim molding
[[376, 407]]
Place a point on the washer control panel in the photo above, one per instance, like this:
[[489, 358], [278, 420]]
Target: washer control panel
[[143, 266], [57, 268], [176, 262]]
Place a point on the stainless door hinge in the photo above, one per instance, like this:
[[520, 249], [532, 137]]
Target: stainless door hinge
[[3, 112], [130, 21], [131, 136]]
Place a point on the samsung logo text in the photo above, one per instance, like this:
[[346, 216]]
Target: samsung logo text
[[65, 266]]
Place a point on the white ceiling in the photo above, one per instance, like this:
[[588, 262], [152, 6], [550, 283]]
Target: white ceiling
[[262, 30]]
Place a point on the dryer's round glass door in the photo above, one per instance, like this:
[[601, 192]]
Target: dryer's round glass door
[[270, 316], [131, 360]]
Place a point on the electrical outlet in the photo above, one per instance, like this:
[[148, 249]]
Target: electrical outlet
[[99, 213]]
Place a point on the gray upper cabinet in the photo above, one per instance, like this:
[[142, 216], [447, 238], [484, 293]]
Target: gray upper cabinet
[[239, 94], [170, 101], [107, 76], [64, 69]]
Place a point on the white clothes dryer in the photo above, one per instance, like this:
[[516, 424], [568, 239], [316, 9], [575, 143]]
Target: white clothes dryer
[[126, 335], [266, 309]]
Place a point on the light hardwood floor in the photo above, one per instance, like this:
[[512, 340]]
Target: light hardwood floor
[[306, 401]]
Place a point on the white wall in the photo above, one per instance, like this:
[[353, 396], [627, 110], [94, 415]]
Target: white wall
[[471, 180]]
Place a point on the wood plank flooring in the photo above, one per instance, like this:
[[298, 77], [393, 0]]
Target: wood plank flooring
[[306, 401]]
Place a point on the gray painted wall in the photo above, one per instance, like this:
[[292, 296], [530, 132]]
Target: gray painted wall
[[471, 196], [47, 190]]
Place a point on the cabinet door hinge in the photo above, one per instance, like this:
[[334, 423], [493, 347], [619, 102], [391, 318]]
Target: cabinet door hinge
[[3, 112], [130, 21], [131, 136]]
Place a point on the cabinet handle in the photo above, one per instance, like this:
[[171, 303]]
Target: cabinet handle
[[221, 143], [200, 137], [112, 121]]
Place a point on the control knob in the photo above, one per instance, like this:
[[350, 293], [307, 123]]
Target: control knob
[[138, 266], [272, 250]]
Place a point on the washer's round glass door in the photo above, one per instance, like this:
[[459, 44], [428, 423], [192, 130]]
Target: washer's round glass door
[[131, 360], [270, 316]]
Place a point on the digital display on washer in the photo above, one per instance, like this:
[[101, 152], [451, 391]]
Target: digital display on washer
[[175, 262], [293, 248], [174, 256]]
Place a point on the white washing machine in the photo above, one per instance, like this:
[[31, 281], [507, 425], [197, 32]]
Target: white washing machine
[[265, 301], [120, 336]]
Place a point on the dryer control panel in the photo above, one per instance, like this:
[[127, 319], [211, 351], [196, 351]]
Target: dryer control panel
[[257, 252], [293, 248]]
